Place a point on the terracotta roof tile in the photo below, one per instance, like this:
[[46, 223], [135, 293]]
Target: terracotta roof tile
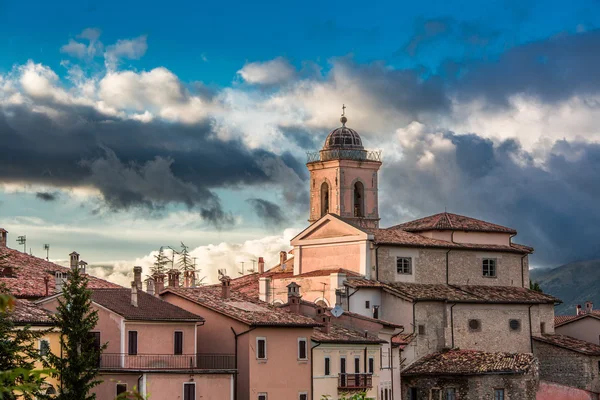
[[564, 319], [570, 343], [246, 309], [508, 294], [448, 221], [28, 272], [471, 362], [150, 308], [403, 339], [27, 313], [341, 334]]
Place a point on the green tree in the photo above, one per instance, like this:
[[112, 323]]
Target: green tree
[[77, 367], [160, 263], [535, 286]]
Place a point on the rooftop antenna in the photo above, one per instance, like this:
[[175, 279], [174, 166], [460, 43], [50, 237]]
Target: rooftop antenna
[[23, 240], [242, 273], [47, 248], [253, 265]]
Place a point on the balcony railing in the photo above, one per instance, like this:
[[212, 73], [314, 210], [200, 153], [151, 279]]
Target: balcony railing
[[344, 154], [167, 361], [355, 381]]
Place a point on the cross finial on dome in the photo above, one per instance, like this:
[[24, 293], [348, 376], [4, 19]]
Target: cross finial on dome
[[343, 120]]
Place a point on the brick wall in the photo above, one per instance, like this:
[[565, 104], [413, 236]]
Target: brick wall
[[567, 367]]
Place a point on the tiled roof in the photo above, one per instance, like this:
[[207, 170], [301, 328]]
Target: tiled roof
[[383, 322], [570, 343], [458, 293], [150, 308], [238, 306], [471, 362], [28, 273], [324, 272], [288, 266], [403, 339], [340, 334], [397, 236], [27, 313], [448, 221], [248, 284], [564, 319]]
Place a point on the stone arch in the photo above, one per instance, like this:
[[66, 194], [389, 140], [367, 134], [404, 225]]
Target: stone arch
[[358, 198], [325, 197]]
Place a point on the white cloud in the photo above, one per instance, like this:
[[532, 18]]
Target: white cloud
[[132, 49], [275, 71], [81, 50]]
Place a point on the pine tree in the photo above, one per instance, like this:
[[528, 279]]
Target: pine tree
[[78, 366], [535, 286], [160, 263]]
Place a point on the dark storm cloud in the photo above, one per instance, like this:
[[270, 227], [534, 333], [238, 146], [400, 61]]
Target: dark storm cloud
[[133, 164], [269, 212], [46, 196], [553, 206]]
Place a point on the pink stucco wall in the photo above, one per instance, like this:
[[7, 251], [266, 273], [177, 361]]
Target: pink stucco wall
[[311, 288], [347, 256], [554, 391], [159, 338], [107, 390]]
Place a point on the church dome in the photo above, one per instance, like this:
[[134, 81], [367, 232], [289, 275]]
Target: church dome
[[343, 138]]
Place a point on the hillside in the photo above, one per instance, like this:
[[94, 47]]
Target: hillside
[[573, 283]]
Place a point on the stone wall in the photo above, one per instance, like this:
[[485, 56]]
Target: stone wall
[[477, 387], [430, 326], [567, 367]]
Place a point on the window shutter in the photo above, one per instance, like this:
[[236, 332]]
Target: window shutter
[[302, 349], [178, 343], [189, 391], [327, 366], [133, 343]]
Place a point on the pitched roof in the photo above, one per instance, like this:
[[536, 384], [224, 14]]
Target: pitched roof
[[28, 273], [397, 236], [150, 308], [27, 313], [243, 308], [570, 343], [248, 284], [565, 319], [447, 221], [341, 334], [403, 339], [471, 362]]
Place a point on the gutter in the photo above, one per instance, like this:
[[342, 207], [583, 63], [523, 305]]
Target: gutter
[[452, 323], [377, 263], [235, 379], [312, 381], [350, 295], [392, 359], [530, 329]]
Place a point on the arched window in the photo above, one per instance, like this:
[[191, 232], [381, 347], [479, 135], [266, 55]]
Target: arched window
[[322, 303], [359, 199], [324, 198]]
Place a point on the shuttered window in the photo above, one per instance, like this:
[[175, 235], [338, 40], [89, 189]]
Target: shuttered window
[[189, 391], [178, 340], [133, 347], [327, 366], [261, 348], [302, 354]]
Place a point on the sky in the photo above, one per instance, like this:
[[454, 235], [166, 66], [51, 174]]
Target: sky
[[127, 126]]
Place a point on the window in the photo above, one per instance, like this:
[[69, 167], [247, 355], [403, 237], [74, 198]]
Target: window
[[358, 199], [474, 325], [450, 394], [189, 391], [121, 388], [436, 394], [498, 394], [261, 348], [413, 393], [262, 396], [598, 366], [514, 324], [343, 365], [421, 329], [302, 355], [44, 347], [542, 327], [324, 198], [404, 265], [489, 267], [303, 396], [376, 312], [371, 365], [367, 304], [327, 366], [357, 364], [178, 343], [387, 395], [133, 343]]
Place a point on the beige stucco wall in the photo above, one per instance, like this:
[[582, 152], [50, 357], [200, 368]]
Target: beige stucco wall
[[107, 390], [311, 288], [328, 384], [332, 256], [587, 329]]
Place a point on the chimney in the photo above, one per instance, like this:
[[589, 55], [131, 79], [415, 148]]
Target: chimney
[[325, 319], [159, 283], [173, 276], [261, 265], [3, 237], [578, 309], [82, 266], [225, 287], [47, 285], [150, 286], [189, 278], [589, 306], [74, 260], [134, 294], [137, 276], [282, 259], [294, 297]]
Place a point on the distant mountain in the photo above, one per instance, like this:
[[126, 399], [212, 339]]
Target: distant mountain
[[573, 283]]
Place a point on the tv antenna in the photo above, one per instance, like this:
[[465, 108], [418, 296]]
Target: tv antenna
[[253, 266], [242, 273], [23, 240], [47, 248]]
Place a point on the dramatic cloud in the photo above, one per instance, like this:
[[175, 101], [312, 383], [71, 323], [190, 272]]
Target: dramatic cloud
[[46, 196], [275, 71], [270, 212]]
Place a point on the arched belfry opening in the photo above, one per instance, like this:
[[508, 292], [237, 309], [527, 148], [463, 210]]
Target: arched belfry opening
[[324, 198], [359, 199]]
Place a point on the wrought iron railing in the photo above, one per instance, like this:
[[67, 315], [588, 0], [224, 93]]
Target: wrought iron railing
[[341, 154], [355, 381], [166, 361]]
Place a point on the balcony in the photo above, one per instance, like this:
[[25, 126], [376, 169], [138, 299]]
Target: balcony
[[118, 361], [343, 154], [355, 381]]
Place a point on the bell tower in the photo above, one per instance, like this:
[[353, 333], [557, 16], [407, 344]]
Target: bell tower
[[343, 178]]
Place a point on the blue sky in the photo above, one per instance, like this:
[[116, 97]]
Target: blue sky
[[130, 125]]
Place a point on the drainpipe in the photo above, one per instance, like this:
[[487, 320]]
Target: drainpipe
[[530, 330], [312, 381], [235, 379], [350, 295], [447, 266], [452, 323], [392, 359], [377, 264], [523, 273]]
